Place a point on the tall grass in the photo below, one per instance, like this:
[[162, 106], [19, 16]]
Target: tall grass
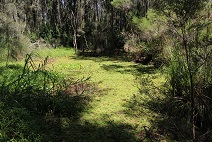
[[32, 98], [180, 101]]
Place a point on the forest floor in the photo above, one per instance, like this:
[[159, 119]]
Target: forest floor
[[117, 111]]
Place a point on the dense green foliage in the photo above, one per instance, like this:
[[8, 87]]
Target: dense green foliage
[[190, 66], [32, 98], [173, 35], [104, 113], [12, 26]]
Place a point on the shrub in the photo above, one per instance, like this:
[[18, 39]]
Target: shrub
[[32, 98]]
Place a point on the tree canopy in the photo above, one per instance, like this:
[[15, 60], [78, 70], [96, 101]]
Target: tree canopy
[[172, 35]]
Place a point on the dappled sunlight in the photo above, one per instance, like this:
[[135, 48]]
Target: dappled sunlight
[[105, 70], [117, 82], [107, 112], [129, 69]]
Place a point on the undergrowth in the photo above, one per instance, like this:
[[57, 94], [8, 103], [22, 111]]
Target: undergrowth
[[33, 99], [172, 120], [66, 106]]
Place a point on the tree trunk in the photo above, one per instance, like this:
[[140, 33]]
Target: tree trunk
[[192, 97], [75, 41]]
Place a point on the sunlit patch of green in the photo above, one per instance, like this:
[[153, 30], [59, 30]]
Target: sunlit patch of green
[[10, 73], [117, 80], [117, 104], [54, 53]]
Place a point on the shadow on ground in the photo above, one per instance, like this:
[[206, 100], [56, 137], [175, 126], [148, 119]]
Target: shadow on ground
[[135, 69], [31, 114], [129, 69], [167, 121], [136, 107], [101, 57], [87, 132]]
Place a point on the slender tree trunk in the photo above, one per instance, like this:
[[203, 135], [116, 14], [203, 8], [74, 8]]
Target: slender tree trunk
[[75, 41], [58, 13], [86, 43], [192, 97], [74, 27]]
